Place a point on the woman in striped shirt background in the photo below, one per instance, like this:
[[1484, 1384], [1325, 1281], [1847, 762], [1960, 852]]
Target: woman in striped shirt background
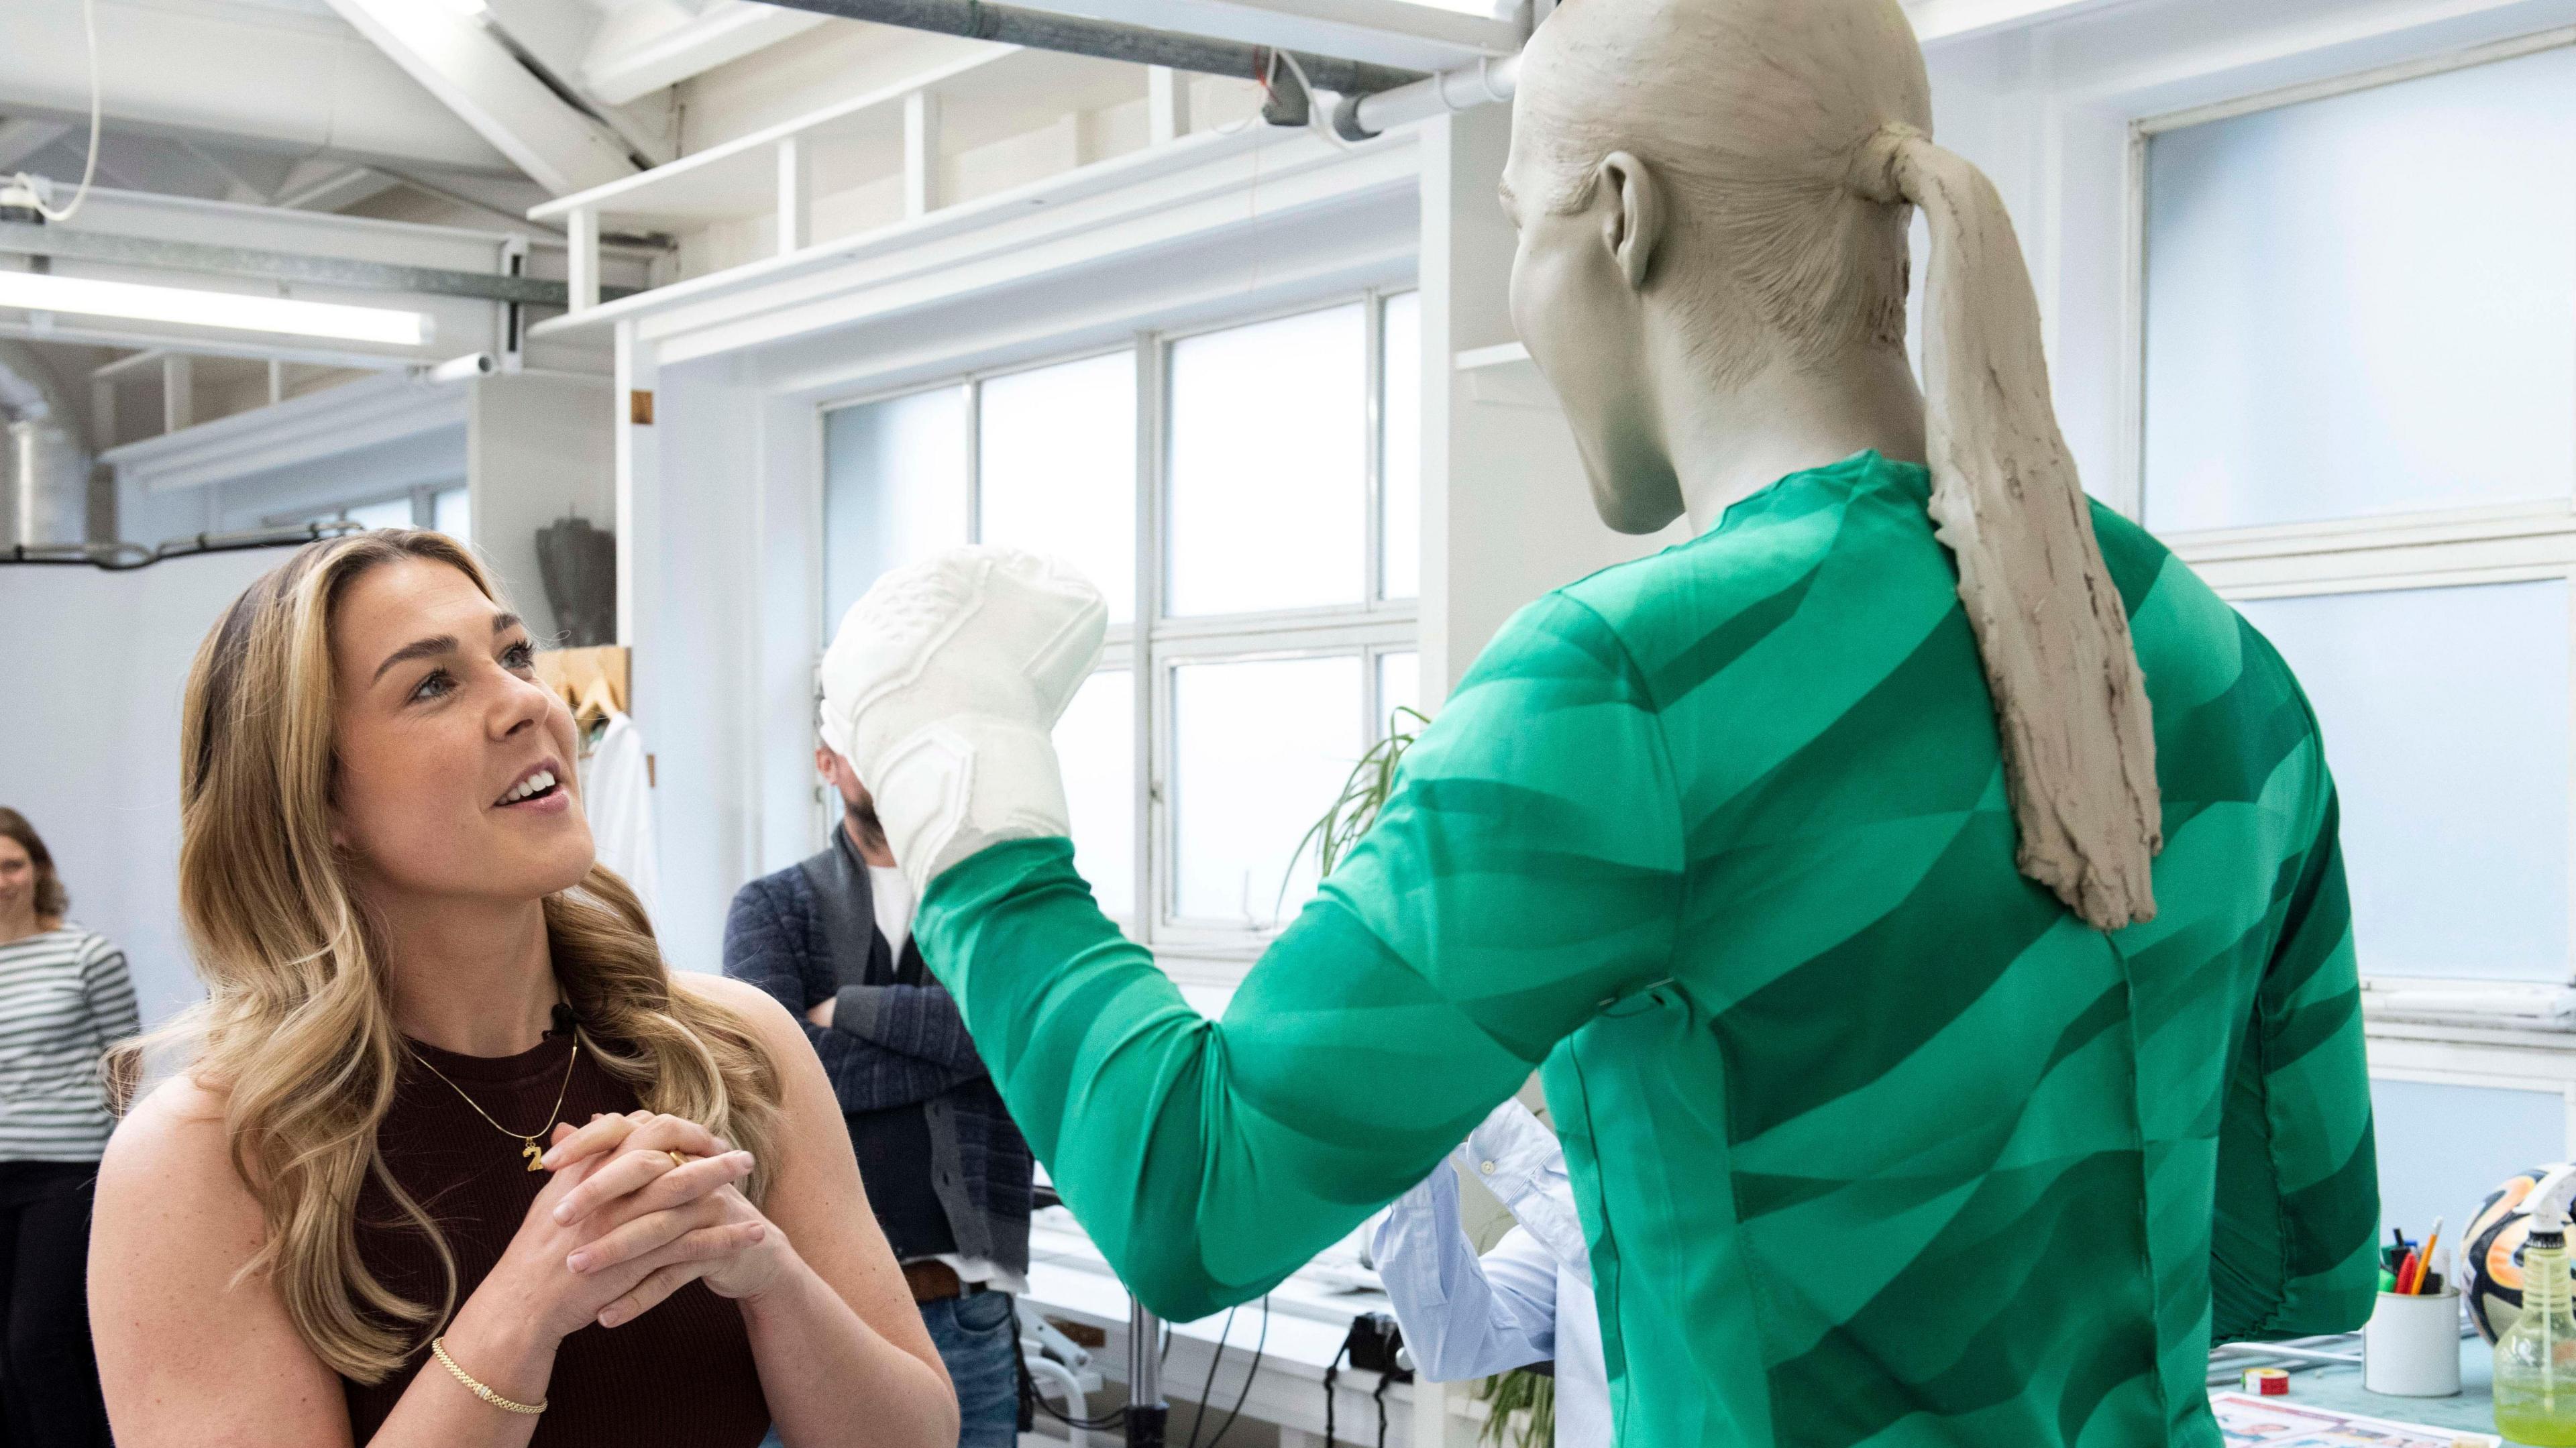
[[64, 998]]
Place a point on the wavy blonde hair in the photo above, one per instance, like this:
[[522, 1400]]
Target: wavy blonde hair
[[297, 1032]]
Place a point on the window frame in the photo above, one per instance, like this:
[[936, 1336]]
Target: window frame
[[2469, 546], [1154, 645]]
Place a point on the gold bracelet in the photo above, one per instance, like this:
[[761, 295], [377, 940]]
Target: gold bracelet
[[438, 1345]]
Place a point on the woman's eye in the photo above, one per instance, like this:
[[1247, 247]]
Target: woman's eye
[[437, 685], [519, 656]]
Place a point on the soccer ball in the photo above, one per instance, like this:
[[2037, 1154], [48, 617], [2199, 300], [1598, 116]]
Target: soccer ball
[[2490, 1260]]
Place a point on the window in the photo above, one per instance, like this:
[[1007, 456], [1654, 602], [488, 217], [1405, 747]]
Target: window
[[2361, 305], [447, 508], [2359, 359], [1254, 656], [391, 513], [451, 512]]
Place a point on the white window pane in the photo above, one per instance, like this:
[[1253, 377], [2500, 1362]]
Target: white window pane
[[2363, 304], [1058, 459], [452, 513], [391, 513], [1401, 460], [894, 489], [1259, 749], [1096, 741], [1399, 686], [2445, 717], [1269, 482]]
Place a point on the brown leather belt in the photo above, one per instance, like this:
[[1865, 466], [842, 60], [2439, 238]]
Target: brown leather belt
[[932, 1280]]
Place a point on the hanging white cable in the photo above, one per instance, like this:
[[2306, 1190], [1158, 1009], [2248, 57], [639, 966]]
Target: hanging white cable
[[89, 171]]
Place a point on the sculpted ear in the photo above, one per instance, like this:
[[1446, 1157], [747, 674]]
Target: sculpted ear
[[1635, 220]]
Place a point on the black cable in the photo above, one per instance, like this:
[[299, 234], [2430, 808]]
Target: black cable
[[1259, 1344], [1332, 1371], [1382, 1380], [126, 557], [1216, 1356]]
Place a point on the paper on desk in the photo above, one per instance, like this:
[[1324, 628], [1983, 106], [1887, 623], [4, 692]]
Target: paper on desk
[[2245, 1421]]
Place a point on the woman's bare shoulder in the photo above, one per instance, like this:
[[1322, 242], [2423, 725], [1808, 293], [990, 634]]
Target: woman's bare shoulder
[[173, 1147], [757, 1006]]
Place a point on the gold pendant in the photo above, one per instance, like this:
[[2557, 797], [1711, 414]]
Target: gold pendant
[[536, 1158]]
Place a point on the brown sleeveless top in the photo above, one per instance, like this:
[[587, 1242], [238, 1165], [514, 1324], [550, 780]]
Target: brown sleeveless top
[[682, 1374]]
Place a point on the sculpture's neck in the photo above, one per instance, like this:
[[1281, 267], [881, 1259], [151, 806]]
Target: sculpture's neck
[[1731, 442]]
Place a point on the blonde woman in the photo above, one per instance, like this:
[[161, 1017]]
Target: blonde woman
[[363, 1213]]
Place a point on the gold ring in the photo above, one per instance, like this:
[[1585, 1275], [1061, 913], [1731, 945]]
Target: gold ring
[[677, 1159]]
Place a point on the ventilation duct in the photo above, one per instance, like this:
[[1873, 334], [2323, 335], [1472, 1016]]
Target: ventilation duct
[[44, 469]]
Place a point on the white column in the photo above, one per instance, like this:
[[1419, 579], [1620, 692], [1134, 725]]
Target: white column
[[276, 382], [639, 480], [178, 392], [795, 203], [920, 153], [583, 241], [1167, 104]]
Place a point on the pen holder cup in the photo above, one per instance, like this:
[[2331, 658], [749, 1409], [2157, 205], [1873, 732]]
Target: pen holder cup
[[2411, 1347]]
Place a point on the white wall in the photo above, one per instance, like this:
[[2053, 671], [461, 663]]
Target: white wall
[[92, 666]]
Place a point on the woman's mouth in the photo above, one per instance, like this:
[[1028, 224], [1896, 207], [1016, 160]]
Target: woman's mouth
[[540, 785]]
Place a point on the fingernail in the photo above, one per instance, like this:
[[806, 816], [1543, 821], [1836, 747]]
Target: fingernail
[[578, 1261], [741, 1159], [611, 1318], [563, 1212], [759, 1230]]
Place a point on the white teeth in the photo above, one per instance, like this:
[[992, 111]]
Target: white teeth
[[543, 779]]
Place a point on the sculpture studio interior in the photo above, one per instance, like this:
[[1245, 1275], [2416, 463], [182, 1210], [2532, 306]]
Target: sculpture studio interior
[[1402, 719]]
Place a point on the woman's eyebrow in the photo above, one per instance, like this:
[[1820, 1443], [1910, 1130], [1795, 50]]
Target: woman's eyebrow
[[437, 644], [428, 648]]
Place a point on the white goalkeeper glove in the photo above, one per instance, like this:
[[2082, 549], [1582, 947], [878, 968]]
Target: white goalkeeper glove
[[942, 688]]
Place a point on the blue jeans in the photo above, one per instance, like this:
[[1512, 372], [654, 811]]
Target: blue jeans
[[978, 1337]]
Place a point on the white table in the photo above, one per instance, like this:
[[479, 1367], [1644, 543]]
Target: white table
[[1309, 1315]]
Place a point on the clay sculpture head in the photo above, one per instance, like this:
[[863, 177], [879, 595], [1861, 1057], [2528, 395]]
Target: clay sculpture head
[[1714, 199]]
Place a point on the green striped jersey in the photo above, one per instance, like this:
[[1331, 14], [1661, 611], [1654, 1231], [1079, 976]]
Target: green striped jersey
[[1873, 1141]]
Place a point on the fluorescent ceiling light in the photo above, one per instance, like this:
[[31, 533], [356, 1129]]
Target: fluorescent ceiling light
[[85, 296]]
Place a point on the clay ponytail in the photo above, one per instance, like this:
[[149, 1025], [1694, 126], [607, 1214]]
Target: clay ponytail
[[2070, 701]]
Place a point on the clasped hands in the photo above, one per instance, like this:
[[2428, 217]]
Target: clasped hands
[[640, 1205]]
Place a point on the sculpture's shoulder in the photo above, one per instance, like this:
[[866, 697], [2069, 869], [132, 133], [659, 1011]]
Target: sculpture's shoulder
[[1861, 521]]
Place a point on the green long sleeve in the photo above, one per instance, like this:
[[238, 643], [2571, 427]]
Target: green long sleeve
[[1873, 1142], [1527, 867], [2297, 1175]]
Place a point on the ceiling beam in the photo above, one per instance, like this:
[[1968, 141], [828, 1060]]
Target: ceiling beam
[[21, 138], [456, 59], [1937, 21], [628, 61], [282, 79]]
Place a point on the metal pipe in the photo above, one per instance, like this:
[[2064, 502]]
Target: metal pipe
[[1487, 82], [28, 239], [1106, 40]]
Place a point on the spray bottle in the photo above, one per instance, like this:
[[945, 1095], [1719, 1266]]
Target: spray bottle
[[2535, 1360]]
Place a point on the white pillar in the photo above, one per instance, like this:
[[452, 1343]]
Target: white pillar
[[583, 241], [178, 392], [1167, 104], [795, 203], [920, 153], [639, 480]]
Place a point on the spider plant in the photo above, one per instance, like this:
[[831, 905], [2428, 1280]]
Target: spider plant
[[1364, 793]]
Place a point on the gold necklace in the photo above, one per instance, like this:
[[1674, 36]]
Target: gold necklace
[[527, 1141]]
